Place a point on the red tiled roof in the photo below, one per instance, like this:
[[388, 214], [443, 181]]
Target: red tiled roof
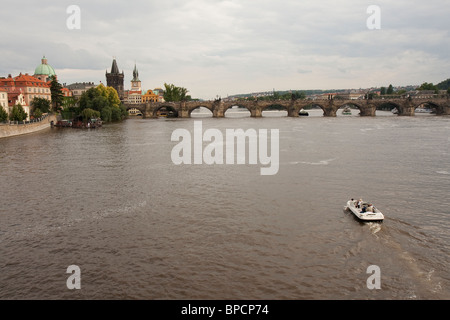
[[66, 92], [23, 80]]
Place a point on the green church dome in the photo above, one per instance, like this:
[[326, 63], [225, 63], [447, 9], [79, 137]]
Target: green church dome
[[44, 68]]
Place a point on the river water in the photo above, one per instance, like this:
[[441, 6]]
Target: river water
[[112, 202]]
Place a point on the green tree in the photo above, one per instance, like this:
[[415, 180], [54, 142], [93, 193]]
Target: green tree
[[382, 91], [89, 113], [41, 103], [37, 113], [69, 108], [428, 86], [448, 91], [298, 95], [123, 111], [173, 93], [369, 95], [112, 96], [390, 89], [18, 113], [444, 85], [106, 114], [68, 103], [105, 100], [56, 93], [116, 114], [3, 114]]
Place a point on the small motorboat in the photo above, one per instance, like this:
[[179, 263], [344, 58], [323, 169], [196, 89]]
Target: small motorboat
[[304, 113], [347, 111], [364, 211], [423, 110]]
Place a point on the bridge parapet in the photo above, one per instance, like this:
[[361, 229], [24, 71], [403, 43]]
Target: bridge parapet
[[367, 107]]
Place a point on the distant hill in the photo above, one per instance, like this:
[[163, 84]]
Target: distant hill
[[443, 85], [265, 93]]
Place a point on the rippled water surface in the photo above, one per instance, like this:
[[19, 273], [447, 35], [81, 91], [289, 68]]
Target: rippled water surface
[[112, 202]]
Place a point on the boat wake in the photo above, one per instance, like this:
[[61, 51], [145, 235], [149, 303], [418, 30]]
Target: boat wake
[[423, 279], [374, 227], [320, 163]]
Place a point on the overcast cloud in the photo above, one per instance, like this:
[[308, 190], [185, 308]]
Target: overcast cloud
[[215, 47]]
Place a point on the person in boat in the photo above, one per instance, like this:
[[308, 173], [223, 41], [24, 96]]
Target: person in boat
[[358, 203], [369, 208], [364, 209]]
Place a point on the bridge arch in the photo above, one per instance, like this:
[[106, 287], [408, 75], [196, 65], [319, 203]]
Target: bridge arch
[[170, 107], [309, 106], [349, 104], [436, 108], [241, 105], [388, 106], [274, 106], [199, 106], [140, 107]]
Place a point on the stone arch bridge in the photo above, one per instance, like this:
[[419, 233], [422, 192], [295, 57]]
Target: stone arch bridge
[[367, 107]]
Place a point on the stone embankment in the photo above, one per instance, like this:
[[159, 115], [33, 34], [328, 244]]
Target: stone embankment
[[10, 129]]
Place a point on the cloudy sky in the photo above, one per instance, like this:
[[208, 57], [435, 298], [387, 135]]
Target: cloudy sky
[[219, 48]]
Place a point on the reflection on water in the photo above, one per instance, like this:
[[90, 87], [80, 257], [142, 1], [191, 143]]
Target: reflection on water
[[139, 227]]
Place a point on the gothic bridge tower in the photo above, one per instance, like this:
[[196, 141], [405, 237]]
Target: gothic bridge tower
[[115, 79]]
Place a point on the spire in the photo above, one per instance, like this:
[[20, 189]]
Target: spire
[[135, 74], [114, 68], [44, 60]]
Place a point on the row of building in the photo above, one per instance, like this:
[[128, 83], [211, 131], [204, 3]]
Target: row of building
[[115, 79], [135, 95], [23, 88]]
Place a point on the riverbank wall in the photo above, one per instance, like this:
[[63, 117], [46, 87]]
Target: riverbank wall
[[11, 129]]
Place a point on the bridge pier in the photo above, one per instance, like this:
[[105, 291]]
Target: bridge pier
[[293, 113], [147, 115], [218, 113], [406, 109], [445, 110], [292, 110], [256, 112], [329, 110], [218, 109], [367, 111], [183, 111]]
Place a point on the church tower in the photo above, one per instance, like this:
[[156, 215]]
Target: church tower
[[135, 94], [115, 79], [135, 83]]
